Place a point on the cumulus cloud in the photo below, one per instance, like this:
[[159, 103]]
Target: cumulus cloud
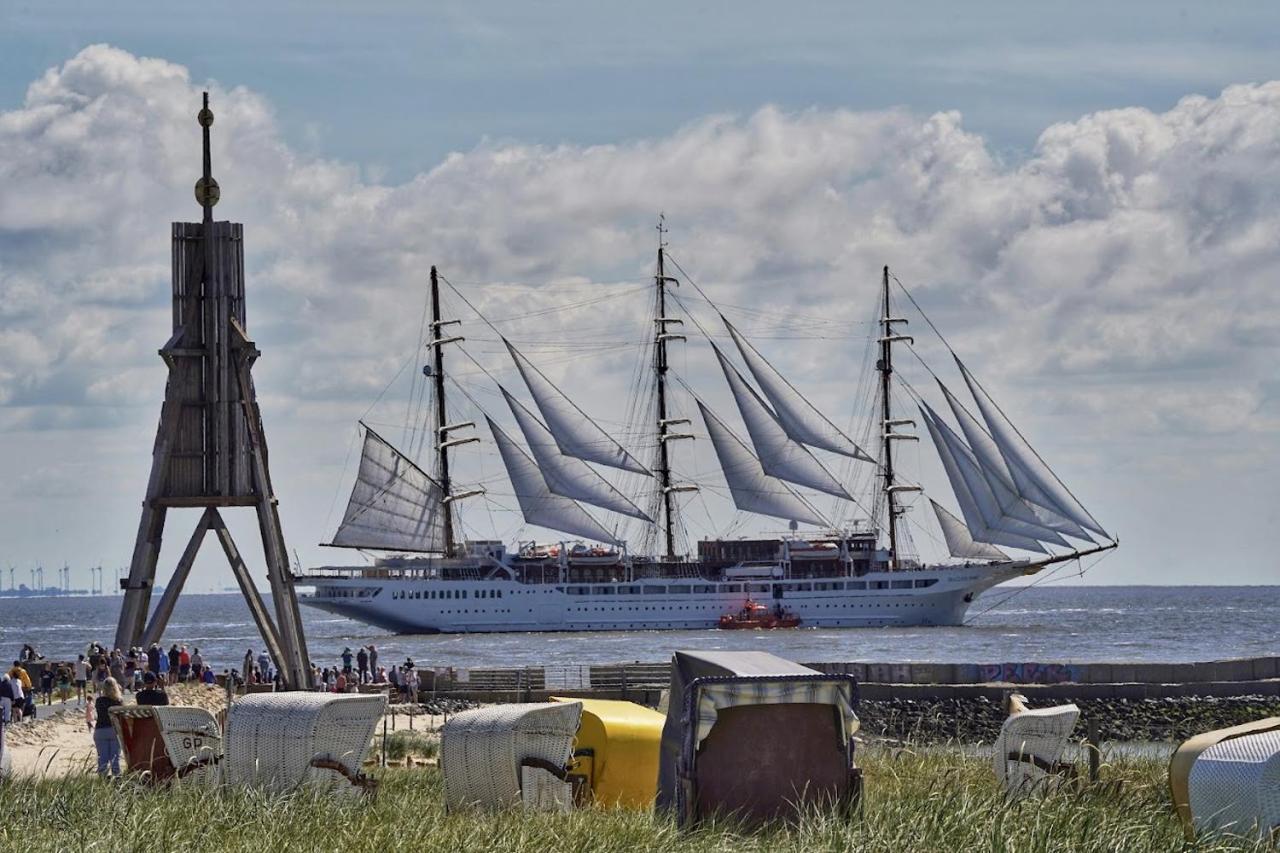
[[1125, 268]]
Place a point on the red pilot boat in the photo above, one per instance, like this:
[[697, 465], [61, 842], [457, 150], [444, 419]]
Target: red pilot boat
[[756, 615]]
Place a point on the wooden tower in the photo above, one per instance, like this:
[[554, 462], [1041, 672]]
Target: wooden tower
[[210, 450]]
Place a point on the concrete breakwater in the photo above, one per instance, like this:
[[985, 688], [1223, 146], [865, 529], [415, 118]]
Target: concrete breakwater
[[1240, 676], [1153, 702]]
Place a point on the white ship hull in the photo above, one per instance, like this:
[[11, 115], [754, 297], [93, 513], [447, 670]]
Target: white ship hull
[[878, 599]]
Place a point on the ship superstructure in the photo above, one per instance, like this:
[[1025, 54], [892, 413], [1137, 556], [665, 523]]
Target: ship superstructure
[[854, 565]]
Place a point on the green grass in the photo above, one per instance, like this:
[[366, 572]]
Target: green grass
[[934, 800]]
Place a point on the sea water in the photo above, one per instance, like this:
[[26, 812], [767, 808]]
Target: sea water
[[1046, 624]]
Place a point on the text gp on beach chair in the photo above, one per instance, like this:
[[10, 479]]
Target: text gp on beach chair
[[1028, 751], [754, 737], [1228, 780], [168, 741], [508, 754]]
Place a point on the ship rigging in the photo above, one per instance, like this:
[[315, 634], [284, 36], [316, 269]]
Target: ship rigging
[[615, 483]]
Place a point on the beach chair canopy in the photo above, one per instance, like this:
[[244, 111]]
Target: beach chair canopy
[[1184, 758], [1231, 784], [282, 740], [616, 752], [503, 755], [756, 736], [1029, 749]]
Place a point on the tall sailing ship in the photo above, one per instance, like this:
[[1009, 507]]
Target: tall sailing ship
[[855, 566]]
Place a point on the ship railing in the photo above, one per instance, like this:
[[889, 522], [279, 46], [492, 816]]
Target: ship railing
[[370, 573]]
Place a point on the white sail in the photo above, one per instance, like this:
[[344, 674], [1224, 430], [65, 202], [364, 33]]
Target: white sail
[[1029, 472], [996, 472], [779, 454], [567, 476], [575, 433], [537, 502], [974, 518], [751, 488], [960, 543], [394, 506], [801, 420], [988, 502]]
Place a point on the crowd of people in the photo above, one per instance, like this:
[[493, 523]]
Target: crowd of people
[[98, 680], [362, 667]]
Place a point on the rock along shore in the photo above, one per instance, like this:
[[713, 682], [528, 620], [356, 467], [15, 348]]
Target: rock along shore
[[978, 719]]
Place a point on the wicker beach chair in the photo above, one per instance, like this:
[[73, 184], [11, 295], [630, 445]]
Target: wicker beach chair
[[756, 738], [1028, 752], [167, 742], [1228, 780], [507, 754], [282, 740]]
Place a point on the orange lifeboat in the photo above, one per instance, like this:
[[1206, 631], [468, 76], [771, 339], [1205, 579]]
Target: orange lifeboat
[[754, 615]]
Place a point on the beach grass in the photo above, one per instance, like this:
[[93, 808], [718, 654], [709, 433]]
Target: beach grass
[[935, 799]]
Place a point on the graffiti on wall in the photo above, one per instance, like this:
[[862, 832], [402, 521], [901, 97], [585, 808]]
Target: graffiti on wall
[[1031, 673]]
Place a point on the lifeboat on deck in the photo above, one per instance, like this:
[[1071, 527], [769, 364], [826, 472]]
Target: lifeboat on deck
[[754, 615]]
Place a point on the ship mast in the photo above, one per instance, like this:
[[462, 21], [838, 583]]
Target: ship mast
[[660, 368], [888, 422], [661, 337], [442, 446]]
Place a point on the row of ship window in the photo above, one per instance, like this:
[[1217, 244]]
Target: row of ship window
[[707, 589], [696, 589], [446, 593]]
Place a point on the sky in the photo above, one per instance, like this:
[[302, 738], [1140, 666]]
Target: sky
[[1083, 197]]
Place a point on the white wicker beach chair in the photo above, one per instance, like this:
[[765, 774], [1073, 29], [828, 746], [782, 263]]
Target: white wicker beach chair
[[193, 740], [283, 740], [1234, 786], [506, 754], [1029, 749]]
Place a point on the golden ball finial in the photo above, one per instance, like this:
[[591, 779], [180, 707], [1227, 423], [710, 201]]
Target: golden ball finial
[[207, 192]]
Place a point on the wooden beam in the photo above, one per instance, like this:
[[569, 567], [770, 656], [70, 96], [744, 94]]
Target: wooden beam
[[201, 502], [247, 588], [164, 610], [283, 595]]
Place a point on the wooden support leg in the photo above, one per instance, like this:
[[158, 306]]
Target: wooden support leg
[[142, 575], [164, 610], [294, 665], [241, 571], [282, 597]]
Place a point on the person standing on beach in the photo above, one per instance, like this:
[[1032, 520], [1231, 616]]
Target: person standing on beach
[[373, 659], [81, 668], [264, 666], [98, 716], [153, 658], [362, 664], [151, 692], [184, 665], [46, 683], [346, 661], [174, 655], [197, 665], [6, 698], [411, 683], [23, 699]]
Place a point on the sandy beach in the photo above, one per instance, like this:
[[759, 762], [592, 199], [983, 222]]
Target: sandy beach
[[61, 744]]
